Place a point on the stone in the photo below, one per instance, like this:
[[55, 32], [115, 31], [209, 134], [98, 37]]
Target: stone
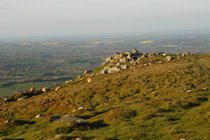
[[106, 67], [20, 99], [162, 53], [151, 55], [129, 57], [143, 56], [87, 71], [89, 80], [103, 72], [168, 58], [113, 69], [32, 89], [189, 91], [123, 60], [59, 137], [118, 64], [45, 90], [57, 88], [186, 54], [135, 51], [103, 63], [81, 108], [109, 59], [68, 118], [123, 67], [53, 118], [39, 116], [69, 81], [127, 53]]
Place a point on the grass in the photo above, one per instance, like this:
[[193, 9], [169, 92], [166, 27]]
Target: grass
[[162, 101]]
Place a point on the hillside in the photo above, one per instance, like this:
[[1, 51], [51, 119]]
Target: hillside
[[131, 96]]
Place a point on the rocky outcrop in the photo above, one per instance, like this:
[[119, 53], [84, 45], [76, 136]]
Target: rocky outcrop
[[124, 60]]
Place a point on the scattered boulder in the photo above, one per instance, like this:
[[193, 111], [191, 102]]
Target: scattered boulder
[[53, 118], [87, 71], [123, 67], [168, 58], [32, 89], [103, 72], [186, 54], [113, 69], [109, 59], [81, 108], [39, 116], [69, 81], [45, 90], [68, 118], [57, 88], [89, 80], [135, 52]]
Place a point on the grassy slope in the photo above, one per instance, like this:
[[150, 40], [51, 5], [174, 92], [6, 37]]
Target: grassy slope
[[152, 102]]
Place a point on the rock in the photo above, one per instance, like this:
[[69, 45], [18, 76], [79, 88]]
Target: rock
[[20, 99], [103, 72], [123, 60], [151, 54], [57, 88], [32, 89], [143, 56], [127, 53], [129, 57], [168, 58], [134, 51], [186, 54], [59, 137], [81, 108], [53, 118], [7, 121], [123, 67], [107, 67], [89, 80], [68, 118], [113, 69], [69, 81], [189, 91], [39, 116], [118, 64], [109, 59], [87, 71], [162, 53], [103, 63], [45, 90], [204, 88]]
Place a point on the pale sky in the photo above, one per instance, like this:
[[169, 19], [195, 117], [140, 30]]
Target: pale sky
[[22, 18]]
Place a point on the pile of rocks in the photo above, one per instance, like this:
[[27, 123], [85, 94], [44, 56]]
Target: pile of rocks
[[124, 60]]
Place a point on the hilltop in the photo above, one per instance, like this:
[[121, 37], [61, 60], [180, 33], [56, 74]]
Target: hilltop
[[132, 95]]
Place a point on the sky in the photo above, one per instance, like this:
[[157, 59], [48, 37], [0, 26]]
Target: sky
[[22, 18]]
